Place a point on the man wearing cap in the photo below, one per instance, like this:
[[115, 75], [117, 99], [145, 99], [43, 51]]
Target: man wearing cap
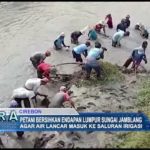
[[99, 26], [59, 42], [80, 49], [118, 36], [39, 57], [61, 97], [92, 59], [34, 84]]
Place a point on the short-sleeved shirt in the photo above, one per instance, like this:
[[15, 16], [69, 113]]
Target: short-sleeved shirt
[[22, 93], [118, 36], [91, 61], [38, 56], [138, 54], [58, 100], [33, 84], [80, 48], [95, 52], [92, 34], [60, 41]]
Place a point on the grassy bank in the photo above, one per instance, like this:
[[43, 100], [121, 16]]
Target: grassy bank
[[110, 74], [139, 139]]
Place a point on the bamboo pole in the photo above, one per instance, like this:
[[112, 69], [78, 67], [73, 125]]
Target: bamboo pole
[[66, 64]]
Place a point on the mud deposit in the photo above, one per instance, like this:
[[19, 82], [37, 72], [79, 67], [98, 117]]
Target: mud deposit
[[116, 97]]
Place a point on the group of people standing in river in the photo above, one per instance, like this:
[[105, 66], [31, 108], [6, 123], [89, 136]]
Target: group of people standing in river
[[29, 92]]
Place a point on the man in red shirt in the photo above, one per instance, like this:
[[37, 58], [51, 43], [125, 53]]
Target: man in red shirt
[[43, 70], [99, 26]]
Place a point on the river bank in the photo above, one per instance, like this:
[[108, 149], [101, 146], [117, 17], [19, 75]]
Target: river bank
[[119, 93], [28, 27]]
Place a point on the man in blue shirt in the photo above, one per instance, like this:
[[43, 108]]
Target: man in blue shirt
[[60, 41], [138, 54], [80, 49], [92, 59]]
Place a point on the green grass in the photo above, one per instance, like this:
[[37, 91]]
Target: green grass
[[139, 139], [136, 140], [110, 74], [144, 94]]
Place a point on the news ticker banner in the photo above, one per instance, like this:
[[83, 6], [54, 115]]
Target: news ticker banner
[[68, 119]]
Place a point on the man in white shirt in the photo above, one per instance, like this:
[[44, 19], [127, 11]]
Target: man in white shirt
[[34, 84], [118, 36], [22, 94]]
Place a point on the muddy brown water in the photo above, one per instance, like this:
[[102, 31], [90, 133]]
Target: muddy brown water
[[27, 27]]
